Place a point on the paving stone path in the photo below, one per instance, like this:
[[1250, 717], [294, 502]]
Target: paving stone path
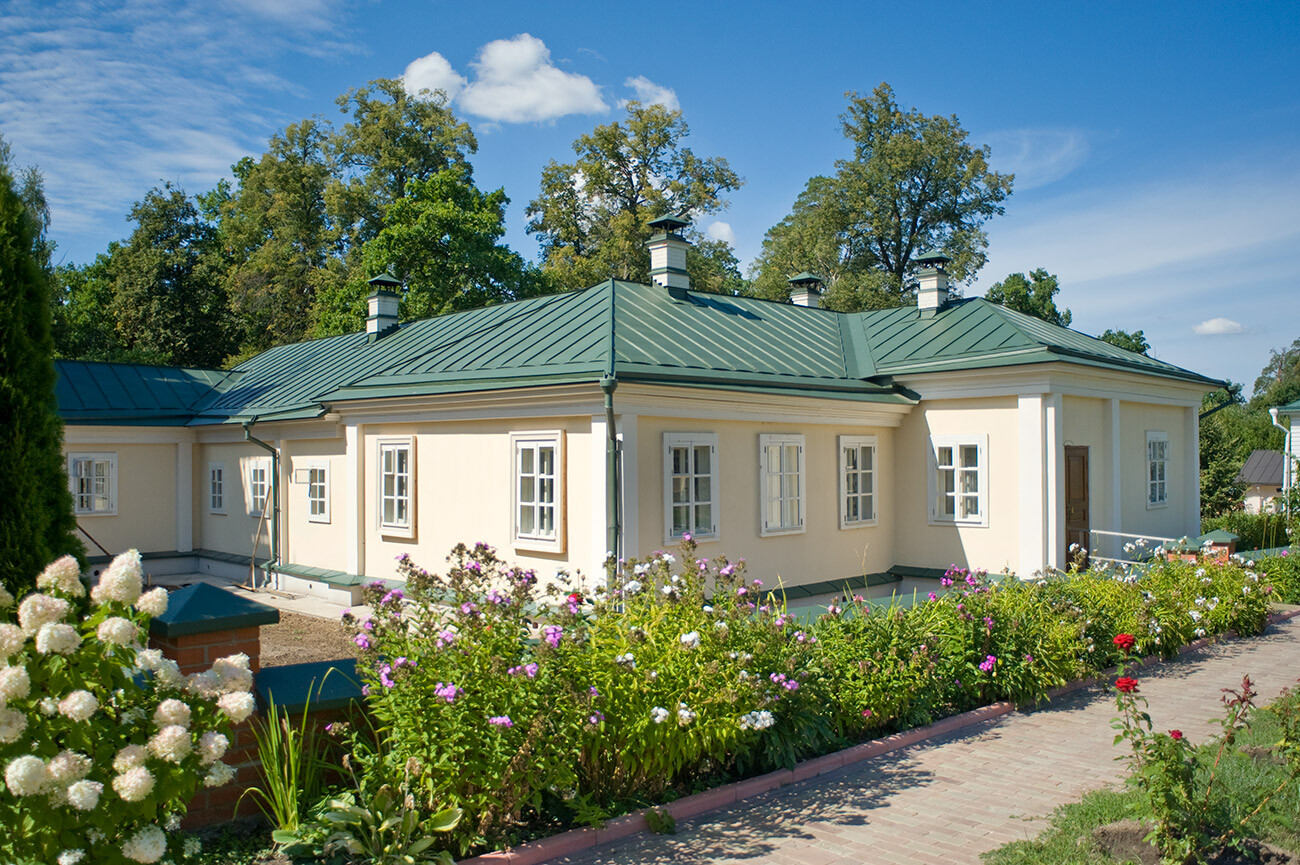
[[950, 799]]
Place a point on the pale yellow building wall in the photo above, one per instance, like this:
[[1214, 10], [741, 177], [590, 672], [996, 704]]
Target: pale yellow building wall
[[1169, 521], [314, 542], [233, 531], [1085, 424], [823, 551], [146, 499], [463, 481], [993, 547]]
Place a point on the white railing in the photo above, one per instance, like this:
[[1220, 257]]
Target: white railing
[[1139, 542]]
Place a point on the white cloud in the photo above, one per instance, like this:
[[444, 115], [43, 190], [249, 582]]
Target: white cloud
[[649, 93], [1037, 156], [432, 72], [721, 231], [1218, 327], [515, 82]]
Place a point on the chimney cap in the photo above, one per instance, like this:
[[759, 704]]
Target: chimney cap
[[384, 282], [807, 281], [931, 258], [669, 223]]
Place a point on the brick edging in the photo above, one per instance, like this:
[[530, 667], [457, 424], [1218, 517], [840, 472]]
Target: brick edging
[[577, 840]]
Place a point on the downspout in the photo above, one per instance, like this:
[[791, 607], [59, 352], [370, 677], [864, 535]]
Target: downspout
[[274, 561], [1287, 458], [613, 479]]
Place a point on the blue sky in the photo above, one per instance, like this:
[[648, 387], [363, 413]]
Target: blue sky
[[1156, 145]]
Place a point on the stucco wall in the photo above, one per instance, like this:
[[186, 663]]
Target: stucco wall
[[1085, 423], [823, 551], [313, 541], [233, 531], [146, 499], [1171, 520]]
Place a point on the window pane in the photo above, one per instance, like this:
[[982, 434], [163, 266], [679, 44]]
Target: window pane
[[970, 456], [546, 491], [970, 506], [773, 513], [390, 511], [401, 512], [526, 460], [868, 485], [402, 481], [868, 457], [947, 481], [704, 489], [851, 508], [681, 461], [945, 456], [790, 512], [790, 458], [772, 485], [546, 460], [852, 482], [868, 508], [681, 489], [703, 460], [850, 459], [527, 492], [970, 482], [390, 485], [704, 518], [526, 520], [681, 518], [403, 457]]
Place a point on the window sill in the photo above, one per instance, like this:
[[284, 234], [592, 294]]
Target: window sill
[[858, 524], [217, 513], [96, 514], [401, 533], [777, 533], [323, 521], [538, 545], [1157, 506], [961, 524]]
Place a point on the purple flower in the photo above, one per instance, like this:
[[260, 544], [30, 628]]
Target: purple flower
[[384, 678], [447, 691], [365, 690], [529, 670], [945, 582], [552, 635], [988, 623], [988, 664], [791, 685], [596, 718], [1029, 658], [933, 596], [501, 721], [593, 692], [368, 625], [393, 596], [727, 570], [444, 639], [468, 608], [474, 566], [362, 641], [498, 599], [375, 585]]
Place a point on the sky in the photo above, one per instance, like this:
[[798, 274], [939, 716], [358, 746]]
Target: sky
[[1156, 145]]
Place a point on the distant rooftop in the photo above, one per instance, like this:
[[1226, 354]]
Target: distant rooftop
[[1262, 467]]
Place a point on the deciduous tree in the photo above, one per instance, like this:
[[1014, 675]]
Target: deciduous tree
[[1134, 341], [1033, 295]]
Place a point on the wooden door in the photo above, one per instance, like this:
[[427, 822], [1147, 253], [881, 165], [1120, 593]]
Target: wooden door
[[1076, 499]]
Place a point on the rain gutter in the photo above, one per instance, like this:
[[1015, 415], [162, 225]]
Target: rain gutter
[[274, 561]]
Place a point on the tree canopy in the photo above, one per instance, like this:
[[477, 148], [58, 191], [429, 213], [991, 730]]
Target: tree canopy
[[1033, 295], [1134, 341]]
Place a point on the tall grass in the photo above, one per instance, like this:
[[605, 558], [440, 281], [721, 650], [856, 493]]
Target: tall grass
[[292, 759]]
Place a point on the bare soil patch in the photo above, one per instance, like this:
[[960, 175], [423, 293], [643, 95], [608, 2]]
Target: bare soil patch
[[300, 639], [1124, 841]]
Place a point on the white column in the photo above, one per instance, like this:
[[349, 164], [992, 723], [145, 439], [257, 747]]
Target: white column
[[1054, 461], [627, 425], [1115, 485], [597, 540], [1032, 483], [1192, 470], [354, 499], [184, 497]]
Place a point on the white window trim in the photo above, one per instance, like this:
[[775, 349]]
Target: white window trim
[[692, 439], [249, 500], [111, 459], [537, 542], [859, 442], [386, 529], [981, 440], [308, 466], [764, 441], [1154, 436], [225, 487]]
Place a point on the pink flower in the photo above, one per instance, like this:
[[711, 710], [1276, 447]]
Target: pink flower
[[933, 596], [988, 664], [501, 721]]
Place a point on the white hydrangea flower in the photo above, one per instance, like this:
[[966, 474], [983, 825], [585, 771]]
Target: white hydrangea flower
[[149, 659], [12, 725], [62, 576], [12, 640], [134, 784], [49, 707], [172, 744], [6, 599], [234, 673], [658, 714], [206, 684], [120, 581], [171, 712], [192, 847], [173, 822], [237, 706], [219, 775], [84, 795], [69, 766], [212, 747], [27, 776], [38, 609], [118, 631], [14, 683], [153, 603], [169, 674], [57, 638], [147, 845], [684, 715], [130, 757], [690, 640], [632, 587], [757, 720], [79, 706], [70, 857]]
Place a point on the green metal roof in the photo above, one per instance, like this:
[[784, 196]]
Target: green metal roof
[[633, 332], [203, 609], [1290, 408]]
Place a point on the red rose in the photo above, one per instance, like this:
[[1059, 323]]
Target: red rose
[[1126, 684], [1175, 734], [1124, 641]]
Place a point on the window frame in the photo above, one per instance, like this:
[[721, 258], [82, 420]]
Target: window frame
[[857, 441], [534, 440], [252, 464], [692, 440], [956, 442], [109, 457], [217, 466], [324, 467], [382, 445], [1153, 436], [765, 441]]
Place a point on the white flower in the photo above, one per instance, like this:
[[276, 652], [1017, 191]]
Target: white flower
[[79, 706], [1245, 590], [192, 847], [171, 712], [118, 631], [757, 720], [667, 590], [237, 706], [12, 640], [212, 747], [172, 744], [690, 640], [14, 683], [12, 725], [6, 599], [147, 846], [1200, 632], [669, 558], [219, 775], [707, 608], [684, 715], [49, 707], [206, 684], [120, 581], [84, 795], [148, 659], [169, 674], [129, 757], [721, 627], [27, 776], [37, 610], [1200, 572], [642, 569], [70, 857], [233, 673], [1212, 603], [69, 766], [1195, 614], [134, 784], [57, 639], [632, 587], [627, 659], [62, 576], [173, 822], [658, 714], [153, 603]]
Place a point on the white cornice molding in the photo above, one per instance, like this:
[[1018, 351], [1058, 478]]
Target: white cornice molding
[[85, 434], [315, 428], [1062, 378]]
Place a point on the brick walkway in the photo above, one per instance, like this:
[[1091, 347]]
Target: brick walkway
[[950, 799]]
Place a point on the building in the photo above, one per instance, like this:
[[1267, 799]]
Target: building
[[820, 446], [1262, 475], [1284, 418]]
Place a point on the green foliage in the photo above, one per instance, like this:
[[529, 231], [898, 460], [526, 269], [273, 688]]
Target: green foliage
[[1255, 531], [913, 184], [36, 521], [292, 760], [1134, 341], [1279, 381], [387, 828], [1033, 295], [591, 214]]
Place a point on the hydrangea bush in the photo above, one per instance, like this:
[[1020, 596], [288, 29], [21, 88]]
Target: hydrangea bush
[[104, 742]]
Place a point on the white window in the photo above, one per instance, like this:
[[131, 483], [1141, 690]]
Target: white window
[[1157, 469], [857, 481], [690, 486], [318, 492], [93, 481], [217, 488], [538, 500], [781, 483], [959, 480], [396, 477], [258, 473]]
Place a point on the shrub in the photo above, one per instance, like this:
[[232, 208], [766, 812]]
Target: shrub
[[1254, 531], [104, 743]]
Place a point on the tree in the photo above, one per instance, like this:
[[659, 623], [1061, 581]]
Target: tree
[[36, 521], [1033, 295], [1222, 454], [591, 215], [1279, 381], [713, 266], [913, 184], [1134, 341]]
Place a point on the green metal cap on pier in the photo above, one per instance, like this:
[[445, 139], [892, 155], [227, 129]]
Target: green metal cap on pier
[[203, 608]]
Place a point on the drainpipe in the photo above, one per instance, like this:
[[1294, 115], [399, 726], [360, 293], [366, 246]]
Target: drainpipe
[[275, 493], [1287, 458], [613, 481]]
